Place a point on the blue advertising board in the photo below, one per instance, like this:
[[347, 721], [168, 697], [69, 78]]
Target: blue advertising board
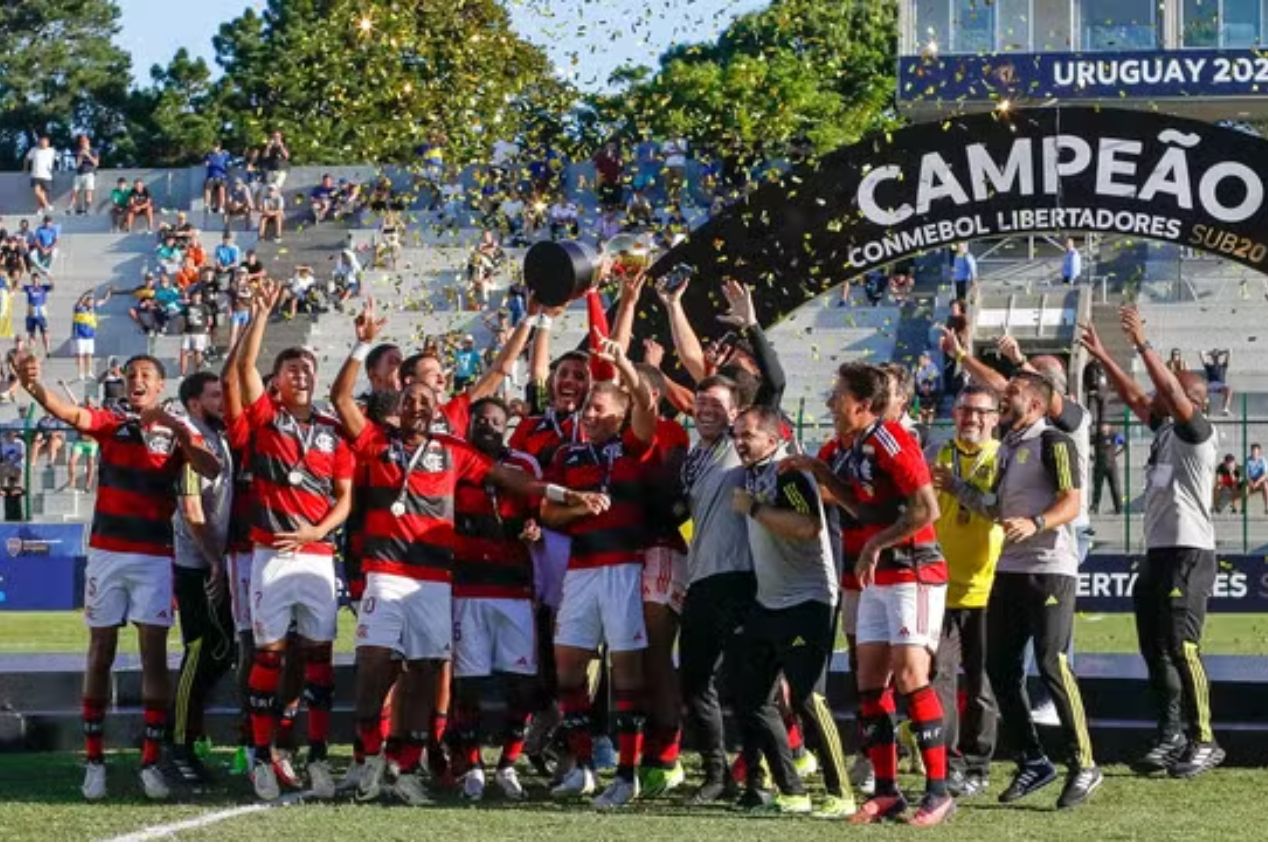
[[1028, 78], [1106, 582], [41, 566]]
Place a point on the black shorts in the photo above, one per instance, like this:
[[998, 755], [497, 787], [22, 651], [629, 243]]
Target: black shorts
[[214, 182], [47, 184]]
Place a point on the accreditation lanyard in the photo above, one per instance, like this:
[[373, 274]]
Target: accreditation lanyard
[[855, 459], [608, 461], [398, 506], [963, 514], [699, 459]]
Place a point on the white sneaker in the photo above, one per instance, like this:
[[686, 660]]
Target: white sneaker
[[352, 777], [509, 782], [409, 788], [94, 787], [620, 793], [370, 778], [284, 771], [473, 784], [153, 783], [264, 780], [862, 777], [579, 782], [321, 779]]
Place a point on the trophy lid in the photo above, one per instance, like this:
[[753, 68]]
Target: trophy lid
[[558, 272]]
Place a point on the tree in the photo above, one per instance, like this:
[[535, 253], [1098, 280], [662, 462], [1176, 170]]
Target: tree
[[60, 74], [358, 80], [176, 120], [800, 68]]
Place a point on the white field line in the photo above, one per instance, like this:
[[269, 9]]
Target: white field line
[[167, 830]]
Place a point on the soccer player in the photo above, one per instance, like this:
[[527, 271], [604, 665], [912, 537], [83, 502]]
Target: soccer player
[[1032, 598], [1178, 574], [408, 558], [201, 530], [302, 473], [790, 627], [602, 589], [964, 472], [885, 486], [495, 652], [129, 572]]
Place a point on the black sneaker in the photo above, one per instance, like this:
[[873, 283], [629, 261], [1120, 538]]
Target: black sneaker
[[186, 767], [1079, 786], [1161, 756], [711, 791], [753, 798], [1031, 776], [1198, 757], [955, 782]]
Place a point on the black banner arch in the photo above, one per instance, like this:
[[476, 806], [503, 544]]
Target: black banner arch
[[891, 196]]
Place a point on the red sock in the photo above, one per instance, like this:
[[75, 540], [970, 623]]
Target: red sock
[[467, 728], [629, 729], [412, 752], [155, 717], [796, 742], [925, 711], [600, 370], [513, 746], [266, 674], [94, 714], [371, 740], [876, 714], [385, 716], [575, 706], [319, 691], [670, 746]]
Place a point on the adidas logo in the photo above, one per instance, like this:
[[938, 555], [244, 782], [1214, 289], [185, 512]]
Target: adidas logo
[[521, 661], [799, 642], [1051, 602], [904, 633], [1175, 593]]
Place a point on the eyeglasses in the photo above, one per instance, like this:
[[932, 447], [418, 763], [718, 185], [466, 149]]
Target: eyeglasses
[[977, 411]]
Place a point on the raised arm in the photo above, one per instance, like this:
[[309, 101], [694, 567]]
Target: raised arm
[[686, 342], [262, 304], [500, 369], [231, 380], [643, 404], [680, 397], [368, 325], [1176, 401], [976, 369], [623, 325], [539, 358], [1126, 387], [28, 369], [199, 457]]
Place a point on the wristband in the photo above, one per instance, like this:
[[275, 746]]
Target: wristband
[[542, 322], [360, 352], [1040, 523], [556, 493], [1143, 347]]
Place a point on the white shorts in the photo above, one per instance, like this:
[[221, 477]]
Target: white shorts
[[850, 611], [550, 563], [603, 604], [85, 181], [239, 577], [288, 587], [665, 577], [121, 588], [901, 614], [493, 634], [85, 345], [412, 617], [195, 342]]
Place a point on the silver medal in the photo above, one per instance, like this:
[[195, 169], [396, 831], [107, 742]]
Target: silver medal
[[295, 477], [398, 508]]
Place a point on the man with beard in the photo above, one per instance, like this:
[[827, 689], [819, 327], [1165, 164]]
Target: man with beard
[[408, 558], [129, 572], [1178, 574]]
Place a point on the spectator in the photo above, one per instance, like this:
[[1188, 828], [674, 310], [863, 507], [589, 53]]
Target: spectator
[[216, 181], [140, 204], [901, 283], [609, 225], [50, 436], [511, 216], [168, 255], [928, 379], [609, 170], [113, 384], [240, 203], [167, 302], [347, 198], [516, 301], [183, 230], [119, 205], [483, 263], [1215, 362], [84, 331], [12, 457], [1071, 263], [272, 210], [254, 267], [83, 449], [563, 218], [14, 500], [347, 274], [639, 212], [240, 296], [145, 310], [675, 152], [1107, 446], [16, 255], [275, 162], [40, 160], [1176, 364], [322, 199], [227, 258], [196, 336], [85, 185], [963, 270], [187, 276], [468, 364], [44, 247], [299, 291], [387, 245], [1228, 484], [874, 286], [37, 310], [1256, 476], [646, 162], [1096, 388], [953, 375], [452, 199]]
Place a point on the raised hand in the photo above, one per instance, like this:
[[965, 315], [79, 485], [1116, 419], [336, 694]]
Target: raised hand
[[653, 353], [27, 366], [1090, 340], [740, 301], [1010, 349], [1133, 324], [368, 323]]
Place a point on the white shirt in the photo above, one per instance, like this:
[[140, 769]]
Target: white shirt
[[675, 150], [42, 160], [504, 152]]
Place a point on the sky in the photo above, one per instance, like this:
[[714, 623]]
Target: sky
[[586, 39]]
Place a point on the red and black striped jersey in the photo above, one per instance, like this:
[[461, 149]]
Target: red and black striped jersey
[[490, 559], [622, 468], [417, 541], [671, 437], [454, 417], [884, 466], [138, 474], [238, 432], [542, 436], [294, 468]]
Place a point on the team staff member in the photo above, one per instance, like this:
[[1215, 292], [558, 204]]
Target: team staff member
[[1175, 582], [1032, 598], [201, 529], [790, 627], [602, 590], [964, 472], [129, 573], [302, 473]]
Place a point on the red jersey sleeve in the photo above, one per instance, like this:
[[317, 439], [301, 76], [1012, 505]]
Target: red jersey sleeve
[[458, 412], [345, 463], [238, 432], [102, 423], [367, 445], [636, 448], [261, 411], [900, 457], [470, 464]]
